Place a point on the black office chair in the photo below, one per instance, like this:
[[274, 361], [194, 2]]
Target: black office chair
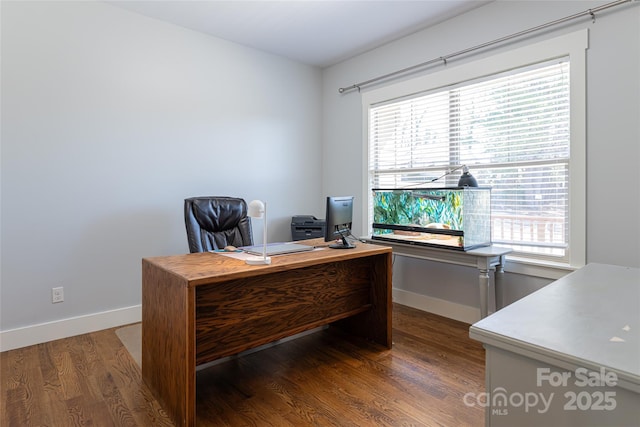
[[216, 222]]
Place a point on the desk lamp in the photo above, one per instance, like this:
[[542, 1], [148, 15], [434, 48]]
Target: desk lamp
[[258, 209], [466, 179]]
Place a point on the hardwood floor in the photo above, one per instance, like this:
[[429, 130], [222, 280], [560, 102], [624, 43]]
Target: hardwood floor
[[322, 379]]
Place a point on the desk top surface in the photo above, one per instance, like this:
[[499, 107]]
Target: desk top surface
[[210, 267], [483, 251], [472, 257], [590, 316]]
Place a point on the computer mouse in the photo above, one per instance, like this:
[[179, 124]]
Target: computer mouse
[[230, 248]]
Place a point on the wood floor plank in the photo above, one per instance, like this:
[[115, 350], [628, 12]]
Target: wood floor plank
[[322, 379]]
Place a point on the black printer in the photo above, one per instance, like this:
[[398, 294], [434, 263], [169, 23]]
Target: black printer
[[307, 227]]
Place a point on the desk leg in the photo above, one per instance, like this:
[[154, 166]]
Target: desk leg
[[168, 342], [499, 284], [484, 292], [375, 324]]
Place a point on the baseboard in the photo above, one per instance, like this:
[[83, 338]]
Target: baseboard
[[451, 310], [44, 332]]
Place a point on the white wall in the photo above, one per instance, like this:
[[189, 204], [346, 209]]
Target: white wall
[[613, 130], [110, 120]]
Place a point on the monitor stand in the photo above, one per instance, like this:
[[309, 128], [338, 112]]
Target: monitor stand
[[343, 245]]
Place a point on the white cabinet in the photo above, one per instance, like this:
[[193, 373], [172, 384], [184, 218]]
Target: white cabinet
[[566, 355]]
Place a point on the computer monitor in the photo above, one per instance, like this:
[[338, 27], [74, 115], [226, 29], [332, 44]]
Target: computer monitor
[[339, 217]]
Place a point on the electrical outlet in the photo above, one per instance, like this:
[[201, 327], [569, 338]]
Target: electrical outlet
[[57, 294]]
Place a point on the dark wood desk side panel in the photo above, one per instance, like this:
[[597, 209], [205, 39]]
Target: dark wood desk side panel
[[168, 359], [376, 324], [245, 313]]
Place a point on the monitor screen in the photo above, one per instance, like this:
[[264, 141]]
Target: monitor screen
[[339, 218]]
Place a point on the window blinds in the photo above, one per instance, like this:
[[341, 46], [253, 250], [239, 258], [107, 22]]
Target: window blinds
[[511, 129]]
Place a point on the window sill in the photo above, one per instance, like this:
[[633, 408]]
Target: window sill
[[543, 269]]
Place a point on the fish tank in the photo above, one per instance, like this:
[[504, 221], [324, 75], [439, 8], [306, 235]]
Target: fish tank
[[456, 218]]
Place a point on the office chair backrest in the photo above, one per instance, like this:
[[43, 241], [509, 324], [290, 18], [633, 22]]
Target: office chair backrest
[[216, 222]]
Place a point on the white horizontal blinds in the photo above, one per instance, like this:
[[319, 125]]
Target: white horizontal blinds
[[512, 130], [408, 139]]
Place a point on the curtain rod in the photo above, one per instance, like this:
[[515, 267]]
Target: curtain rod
[[444, 59]]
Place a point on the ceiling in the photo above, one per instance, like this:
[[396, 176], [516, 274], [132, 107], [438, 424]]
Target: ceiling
[[320, 33]]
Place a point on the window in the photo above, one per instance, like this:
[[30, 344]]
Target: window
[[515, 123]]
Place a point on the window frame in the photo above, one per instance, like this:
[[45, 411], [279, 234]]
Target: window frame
[[573, 46]]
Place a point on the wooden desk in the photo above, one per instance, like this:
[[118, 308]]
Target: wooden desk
[[200, 307], [484, 259]]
